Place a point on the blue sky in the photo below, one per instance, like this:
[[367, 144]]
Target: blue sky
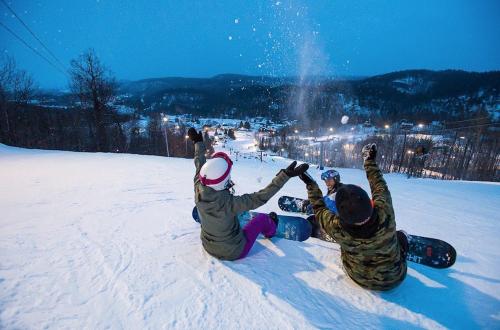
[[143, 39]]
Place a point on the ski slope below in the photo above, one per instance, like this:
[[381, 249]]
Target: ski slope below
[[94, 240]]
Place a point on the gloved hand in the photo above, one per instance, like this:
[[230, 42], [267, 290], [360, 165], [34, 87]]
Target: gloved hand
[[369, 152], [194, 135], [306, 178], [293, 170]]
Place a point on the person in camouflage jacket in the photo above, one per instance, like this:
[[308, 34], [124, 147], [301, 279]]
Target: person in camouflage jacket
[[373, 253]]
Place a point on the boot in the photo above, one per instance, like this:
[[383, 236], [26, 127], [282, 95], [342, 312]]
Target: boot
[[274, 217]]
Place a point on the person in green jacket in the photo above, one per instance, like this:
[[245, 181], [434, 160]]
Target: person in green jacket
[[221, 234], [373, 253]]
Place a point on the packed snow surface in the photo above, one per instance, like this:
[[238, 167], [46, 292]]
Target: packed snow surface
[[95, 240]]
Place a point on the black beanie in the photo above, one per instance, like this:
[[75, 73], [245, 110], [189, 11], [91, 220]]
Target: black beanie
[[354, 204]]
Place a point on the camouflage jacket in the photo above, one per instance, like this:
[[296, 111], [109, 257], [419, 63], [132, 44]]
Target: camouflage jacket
[[221, 234], [375, 262]]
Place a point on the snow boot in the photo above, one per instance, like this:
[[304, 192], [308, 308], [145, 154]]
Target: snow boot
[[403, 243], [274, 217]]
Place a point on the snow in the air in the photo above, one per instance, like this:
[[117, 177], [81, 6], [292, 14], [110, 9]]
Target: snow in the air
[[96, 240]]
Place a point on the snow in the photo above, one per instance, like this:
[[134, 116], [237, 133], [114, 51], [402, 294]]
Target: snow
[[96, 240]]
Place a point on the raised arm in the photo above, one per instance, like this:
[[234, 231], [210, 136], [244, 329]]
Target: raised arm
[[380, 192], [252, 201], [326, 219], [199, 158], [199, 151]]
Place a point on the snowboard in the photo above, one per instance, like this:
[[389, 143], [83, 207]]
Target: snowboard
[[296, 205], [294, 228], [422, 250], [293, 204], [431, 252]]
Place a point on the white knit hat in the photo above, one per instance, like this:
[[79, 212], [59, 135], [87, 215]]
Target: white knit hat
[[216, 172]]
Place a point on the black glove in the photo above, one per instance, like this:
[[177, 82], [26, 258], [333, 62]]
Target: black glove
[[195, 136], [369, 152], [293, 170], [306, 178]]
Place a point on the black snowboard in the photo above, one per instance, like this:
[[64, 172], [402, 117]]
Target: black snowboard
[[293, 204], [294, 228], [431, 252]]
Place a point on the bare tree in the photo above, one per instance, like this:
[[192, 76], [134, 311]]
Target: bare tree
[[95, 87], [16, 88]]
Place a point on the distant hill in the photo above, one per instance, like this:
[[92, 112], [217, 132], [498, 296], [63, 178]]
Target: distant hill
[[412, 94]]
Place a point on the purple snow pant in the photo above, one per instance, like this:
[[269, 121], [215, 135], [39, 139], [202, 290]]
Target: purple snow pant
[[260, 224]]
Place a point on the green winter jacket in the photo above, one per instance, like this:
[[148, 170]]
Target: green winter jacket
[[375, 262], [221, 234]]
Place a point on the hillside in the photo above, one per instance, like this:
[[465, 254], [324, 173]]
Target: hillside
[[96, 240], [416, 95]]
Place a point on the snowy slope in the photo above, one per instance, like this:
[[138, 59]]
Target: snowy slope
[[106, 240]]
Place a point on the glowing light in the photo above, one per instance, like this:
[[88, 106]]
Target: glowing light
[[420, 125], [331, 129], [348, 147], [386, 126], [296, 131]]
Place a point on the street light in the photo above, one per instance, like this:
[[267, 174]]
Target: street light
[[186, 138], [296, 131], [331, 129], [386, 126]]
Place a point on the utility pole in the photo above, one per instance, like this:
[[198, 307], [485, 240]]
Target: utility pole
[[164, 126], [402, 152], [321, 155], [443, 176]]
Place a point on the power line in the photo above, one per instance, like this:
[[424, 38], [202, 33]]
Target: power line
[[461, 128], [33, 34], [465, 120], [33, 49], [479, 125]]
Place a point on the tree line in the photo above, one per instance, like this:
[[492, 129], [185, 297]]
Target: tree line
[[453, 154], [92, 123]]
